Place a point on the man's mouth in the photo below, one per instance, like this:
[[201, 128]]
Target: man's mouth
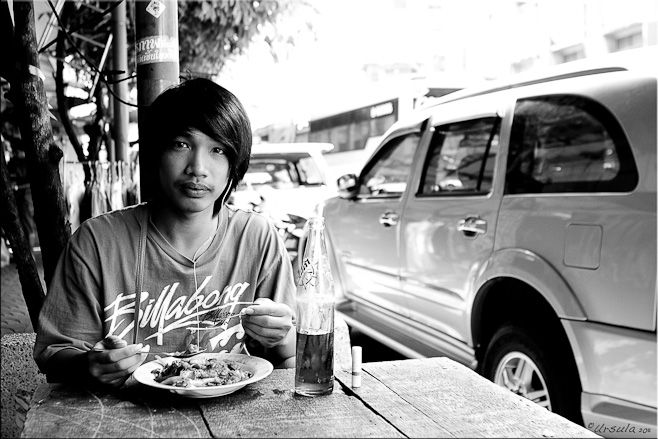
[[194, 189]]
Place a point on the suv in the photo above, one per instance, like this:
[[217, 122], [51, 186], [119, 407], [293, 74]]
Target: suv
[[513, 228]]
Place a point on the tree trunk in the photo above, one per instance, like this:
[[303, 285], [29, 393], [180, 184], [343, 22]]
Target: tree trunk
[[42, 154], [25, 263]]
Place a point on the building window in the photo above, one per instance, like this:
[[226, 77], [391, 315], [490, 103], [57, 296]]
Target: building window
[[572, 56], [626, 42], [567, 54]]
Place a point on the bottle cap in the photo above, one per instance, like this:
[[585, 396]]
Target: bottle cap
[[356, 366]]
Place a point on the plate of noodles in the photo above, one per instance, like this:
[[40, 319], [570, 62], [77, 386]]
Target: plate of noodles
[[205, 375]]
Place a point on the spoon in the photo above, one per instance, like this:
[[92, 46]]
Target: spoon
[[184, 354]]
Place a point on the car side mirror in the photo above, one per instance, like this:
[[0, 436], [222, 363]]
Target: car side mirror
[[347, 186]]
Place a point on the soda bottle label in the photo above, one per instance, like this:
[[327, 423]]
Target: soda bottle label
[[315, 278], [308, 276], [315, 316]]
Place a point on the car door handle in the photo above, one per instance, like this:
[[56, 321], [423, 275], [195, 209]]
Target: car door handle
[[389, 219], [472, 226]]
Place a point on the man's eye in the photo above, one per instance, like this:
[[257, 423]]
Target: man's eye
[[218, 151], [179, 144]]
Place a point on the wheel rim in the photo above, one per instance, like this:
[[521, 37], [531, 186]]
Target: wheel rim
[[519, 374]]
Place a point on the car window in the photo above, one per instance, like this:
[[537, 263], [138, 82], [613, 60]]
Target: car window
[[461, 158], [567, 143], [308, 168], [387, 175], [277, 173], [282, 171]]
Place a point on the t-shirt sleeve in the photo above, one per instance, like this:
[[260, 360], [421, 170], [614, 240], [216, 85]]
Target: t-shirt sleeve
[[70, 317], [276, 280]]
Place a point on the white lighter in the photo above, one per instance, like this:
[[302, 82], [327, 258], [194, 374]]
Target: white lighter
[[356, 366]]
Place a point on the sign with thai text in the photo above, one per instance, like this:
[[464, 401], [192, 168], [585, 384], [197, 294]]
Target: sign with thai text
[[160, 48]]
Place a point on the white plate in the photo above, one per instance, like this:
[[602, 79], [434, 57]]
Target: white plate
[[259, 367]]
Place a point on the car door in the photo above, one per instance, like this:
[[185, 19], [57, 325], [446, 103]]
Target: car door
[[366, 229], [447, 232]]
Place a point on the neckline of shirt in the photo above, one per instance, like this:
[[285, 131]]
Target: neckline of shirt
[[167, 247]]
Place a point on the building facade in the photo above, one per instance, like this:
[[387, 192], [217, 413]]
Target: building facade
[[500, 37]]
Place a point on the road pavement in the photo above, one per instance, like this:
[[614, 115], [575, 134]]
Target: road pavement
[[372, 350]]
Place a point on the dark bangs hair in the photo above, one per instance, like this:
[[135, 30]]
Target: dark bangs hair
[[203, 105]]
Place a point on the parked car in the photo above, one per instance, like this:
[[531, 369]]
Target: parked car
[[513, 228], [286, 181]]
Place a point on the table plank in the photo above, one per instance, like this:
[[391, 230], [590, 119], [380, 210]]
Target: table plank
[[335, 415], [384, 401], [468, 405], [133, 411], [434, 397]]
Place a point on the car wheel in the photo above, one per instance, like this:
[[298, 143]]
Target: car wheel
[[531, 367]]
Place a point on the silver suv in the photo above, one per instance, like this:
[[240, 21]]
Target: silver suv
[[513, 229]]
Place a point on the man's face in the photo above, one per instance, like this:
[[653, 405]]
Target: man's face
[[193, 172]]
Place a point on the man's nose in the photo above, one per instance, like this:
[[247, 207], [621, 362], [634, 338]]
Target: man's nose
[[198, 163]]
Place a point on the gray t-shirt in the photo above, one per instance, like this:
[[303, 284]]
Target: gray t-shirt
[[92, 293]]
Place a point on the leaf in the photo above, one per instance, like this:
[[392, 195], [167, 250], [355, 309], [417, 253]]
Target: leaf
[[207, 11], [237, 14]]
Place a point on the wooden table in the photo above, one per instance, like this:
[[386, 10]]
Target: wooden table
[[434, 397]]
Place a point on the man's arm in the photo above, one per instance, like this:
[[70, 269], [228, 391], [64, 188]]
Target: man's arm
[[68, 366], [110, 362]]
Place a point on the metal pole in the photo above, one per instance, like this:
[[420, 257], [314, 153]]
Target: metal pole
[[157, 64], [120, 62], [111, 140]]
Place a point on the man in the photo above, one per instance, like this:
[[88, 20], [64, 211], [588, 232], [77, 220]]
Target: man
[[209, 277]]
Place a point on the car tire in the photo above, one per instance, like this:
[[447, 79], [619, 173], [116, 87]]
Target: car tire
[[547, 377]]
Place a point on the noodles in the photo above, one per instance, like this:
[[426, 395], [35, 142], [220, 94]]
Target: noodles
[[201, 373]]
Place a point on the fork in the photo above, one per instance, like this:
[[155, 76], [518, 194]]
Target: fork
[[180, 354]]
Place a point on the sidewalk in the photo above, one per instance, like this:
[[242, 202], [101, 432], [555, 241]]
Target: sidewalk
[[14, 317]]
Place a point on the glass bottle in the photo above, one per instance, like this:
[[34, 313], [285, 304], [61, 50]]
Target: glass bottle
[[314, 368]]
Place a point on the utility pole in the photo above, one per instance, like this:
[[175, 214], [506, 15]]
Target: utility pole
[[157, 64], [120, 63]]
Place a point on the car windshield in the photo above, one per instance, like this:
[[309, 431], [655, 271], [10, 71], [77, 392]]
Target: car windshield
[[282, 172]]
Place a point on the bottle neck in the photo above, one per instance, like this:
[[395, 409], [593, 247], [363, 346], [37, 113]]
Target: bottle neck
[[316, 222]]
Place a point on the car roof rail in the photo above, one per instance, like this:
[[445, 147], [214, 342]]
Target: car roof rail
[[468, 93], [640, 59]]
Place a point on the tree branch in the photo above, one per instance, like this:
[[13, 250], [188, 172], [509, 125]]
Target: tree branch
[[42, 154]]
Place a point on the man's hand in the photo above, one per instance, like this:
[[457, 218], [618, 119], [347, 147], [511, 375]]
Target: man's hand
[[111, 361], [267, 321]]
